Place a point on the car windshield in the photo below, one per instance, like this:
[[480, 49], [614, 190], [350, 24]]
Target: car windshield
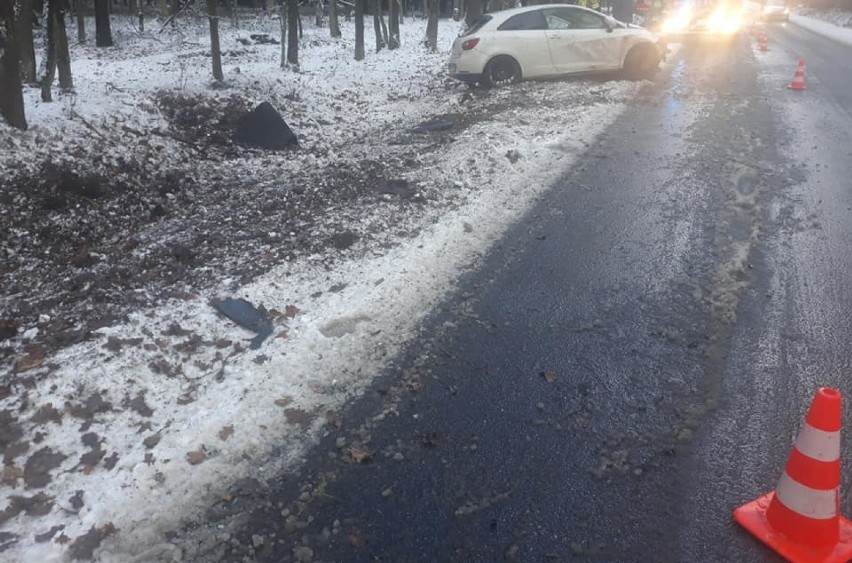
[[476, 25]]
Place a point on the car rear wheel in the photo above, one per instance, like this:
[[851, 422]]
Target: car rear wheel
[[502, 71], [641, 62]]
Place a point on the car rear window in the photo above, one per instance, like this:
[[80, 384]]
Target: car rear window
[[476, 24], [525, 21]]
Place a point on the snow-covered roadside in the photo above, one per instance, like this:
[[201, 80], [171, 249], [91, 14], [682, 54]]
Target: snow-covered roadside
[[138, 430], [834, 25]]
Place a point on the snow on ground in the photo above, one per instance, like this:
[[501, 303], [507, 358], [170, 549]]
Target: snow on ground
[[123, 436], [834, 24]]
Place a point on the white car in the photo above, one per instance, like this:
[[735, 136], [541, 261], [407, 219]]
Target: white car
[[776, 10], [550, 40]]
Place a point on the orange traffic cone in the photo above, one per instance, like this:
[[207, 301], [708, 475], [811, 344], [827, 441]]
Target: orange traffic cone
[[798, 82], [763, 40], [801, 518]]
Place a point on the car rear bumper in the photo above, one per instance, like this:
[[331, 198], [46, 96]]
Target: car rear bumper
[[465, 70]]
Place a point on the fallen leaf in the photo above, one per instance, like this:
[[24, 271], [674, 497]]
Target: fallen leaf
[[283, 335], [333, 419], [298, 416], [227, 497], [38, 466], [357, 539], [226, 432], [63, 539], [283, 402], [430, 440], [31, 360], [549, 376], [359, 455], [291, 311], [10, 475], [196, 457], [152, 441]]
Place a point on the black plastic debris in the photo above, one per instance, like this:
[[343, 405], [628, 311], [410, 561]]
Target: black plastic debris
[[247, 316], [431, 127], [265, 128], [263, 39]]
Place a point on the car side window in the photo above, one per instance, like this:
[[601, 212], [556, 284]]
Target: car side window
[[568, 18], [585, 20], [556, 22], [525, 21]]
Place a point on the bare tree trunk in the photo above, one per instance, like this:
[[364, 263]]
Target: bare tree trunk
[[11, 89], [320, 9], [359, 30], [393, 24], [333, 21], [81, 21], [215, 50], [432, 25], [457, 9], [48, 69], [293, 32], [24, 37], [474, 10], [63, 57], [103, 33], [136, 8], [235, 20], [377, 26], [299, 22], [175, 11], [282, 20]]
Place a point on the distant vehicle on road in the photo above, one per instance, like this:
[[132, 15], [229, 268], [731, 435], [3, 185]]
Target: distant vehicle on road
[[775, 10], [506, 47], [707, 17]]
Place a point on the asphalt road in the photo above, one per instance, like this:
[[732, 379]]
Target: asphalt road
[[633, 360]]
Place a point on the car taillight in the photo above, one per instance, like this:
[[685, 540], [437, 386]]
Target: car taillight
[[470, 44]]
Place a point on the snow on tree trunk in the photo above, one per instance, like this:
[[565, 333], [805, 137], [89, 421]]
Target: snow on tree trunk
[[432, 25], [293, 32], [333, 21], [215, 51], [24, 35], [48, 69], [63, 57], [282, 21], [11, 91], [359, 30], [103, 33]]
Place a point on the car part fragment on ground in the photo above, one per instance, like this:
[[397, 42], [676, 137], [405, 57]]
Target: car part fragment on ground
[[265, 128], [247, 316]]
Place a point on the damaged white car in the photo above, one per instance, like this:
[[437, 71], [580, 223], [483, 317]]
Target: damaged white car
[[506, 47]]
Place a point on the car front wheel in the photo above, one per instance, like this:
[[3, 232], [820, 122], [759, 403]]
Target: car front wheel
[[502, 71], [641, 62]]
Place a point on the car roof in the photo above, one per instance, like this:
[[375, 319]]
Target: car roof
[[502, 15]]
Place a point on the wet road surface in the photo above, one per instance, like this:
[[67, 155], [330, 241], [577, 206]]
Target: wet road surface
[[632, 361]]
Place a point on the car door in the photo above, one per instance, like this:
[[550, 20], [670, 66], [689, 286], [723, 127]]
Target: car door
[[523, 36], [581, 40]]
